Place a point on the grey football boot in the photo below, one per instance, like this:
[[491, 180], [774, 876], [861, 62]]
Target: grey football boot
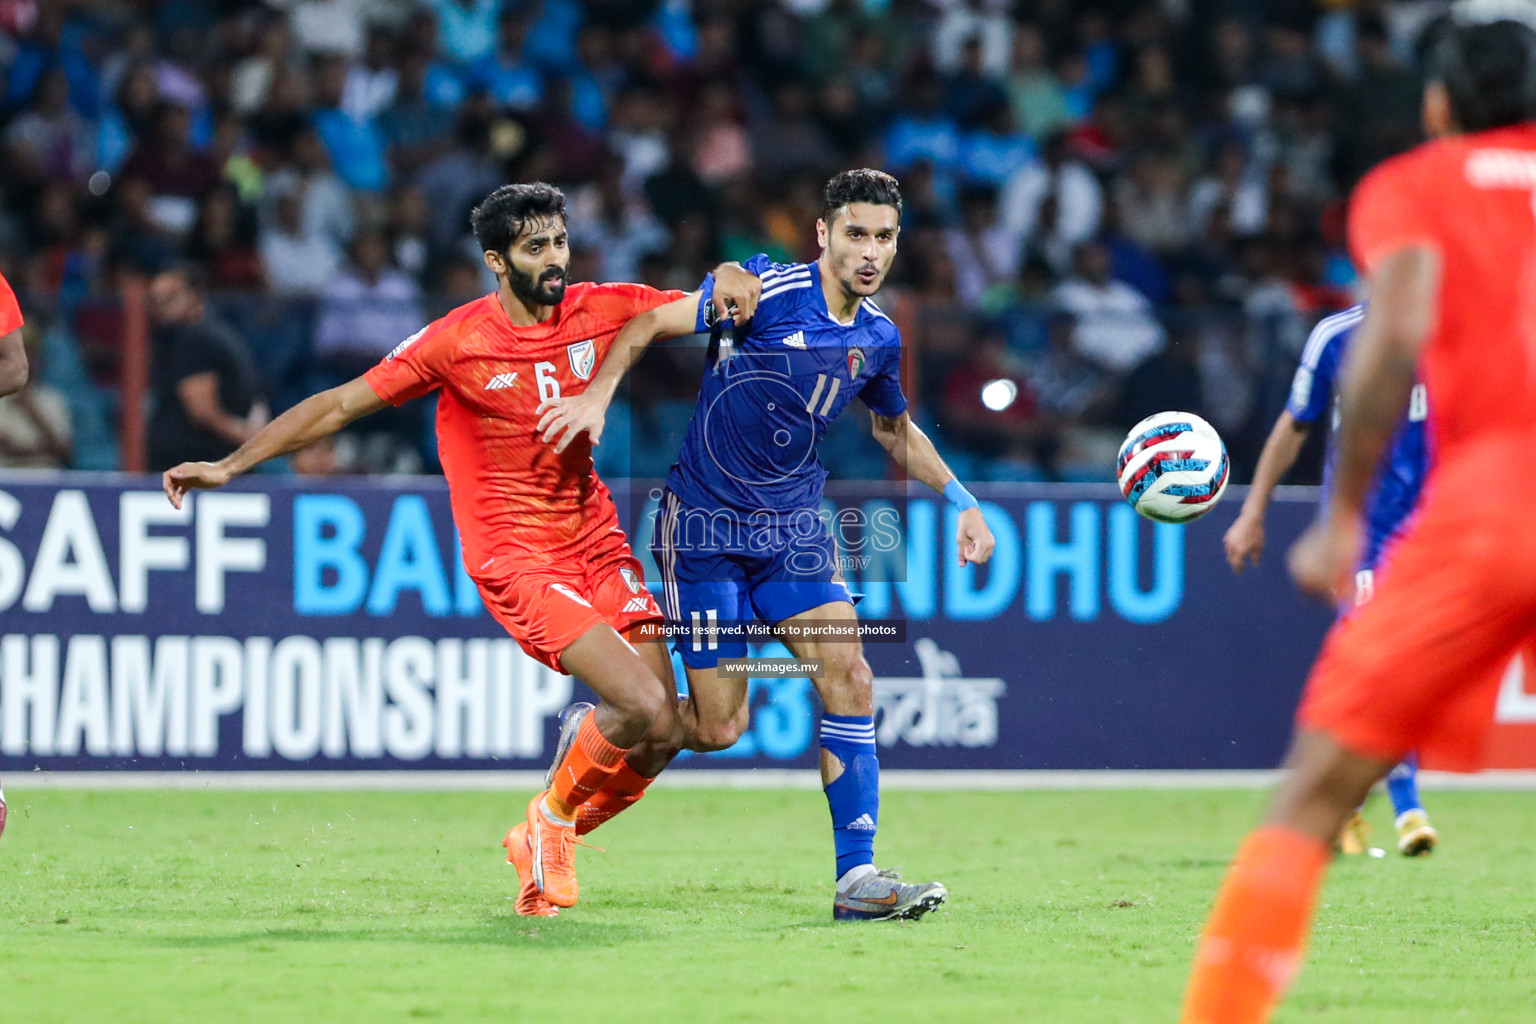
[[883, 896], [570, 722]]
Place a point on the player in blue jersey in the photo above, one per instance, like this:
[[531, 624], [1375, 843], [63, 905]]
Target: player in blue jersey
[[739, 534], [1313, 395]]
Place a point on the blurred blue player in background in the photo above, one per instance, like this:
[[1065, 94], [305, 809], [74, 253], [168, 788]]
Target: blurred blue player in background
[[739, 535], [1396, 492]]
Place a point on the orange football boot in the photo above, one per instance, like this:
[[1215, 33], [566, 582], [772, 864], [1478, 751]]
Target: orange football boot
[[530, 902], [553, 849]]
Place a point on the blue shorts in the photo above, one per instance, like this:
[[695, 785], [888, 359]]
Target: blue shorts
[[719, 574]]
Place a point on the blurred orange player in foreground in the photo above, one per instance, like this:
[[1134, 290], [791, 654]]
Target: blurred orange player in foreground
[[13, 376], [540, 533], [1446, 235]]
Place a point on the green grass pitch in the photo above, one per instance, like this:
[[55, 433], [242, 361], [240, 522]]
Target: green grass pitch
[[712, 906]]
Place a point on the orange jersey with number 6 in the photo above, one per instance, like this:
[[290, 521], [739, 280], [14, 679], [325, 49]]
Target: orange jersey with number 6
[[517, 503]]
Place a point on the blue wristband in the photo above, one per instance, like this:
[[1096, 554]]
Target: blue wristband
[[958, 496]]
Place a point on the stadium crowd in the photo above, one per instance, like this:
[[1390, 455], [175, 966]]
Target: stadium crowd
[[1120, 205]]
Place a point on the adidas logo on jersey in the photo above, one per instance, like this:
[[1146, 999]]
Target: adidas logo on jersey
[[796, 340], [501, 380], [638, 604], [864, 823]]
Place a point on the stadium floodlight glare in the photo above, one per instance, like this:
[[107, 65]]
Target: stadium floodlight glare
[[998, 395]]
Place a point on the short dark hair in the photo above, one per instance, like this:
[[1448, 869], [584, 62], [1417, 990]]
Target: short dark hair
[[1488, 67], [864, 185], [506, 213]]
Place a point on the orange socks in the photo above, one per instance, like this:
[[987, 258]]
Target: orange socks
[[1257, 933], [588, 766], [623, 789]]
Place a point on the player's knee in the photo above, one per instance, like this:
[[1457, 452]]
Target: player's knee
[[850, 681], [712, 736], [642, 701]]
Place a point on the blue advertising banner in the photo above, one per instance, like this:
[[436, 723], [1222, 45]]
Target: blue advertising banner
[[284, 624]]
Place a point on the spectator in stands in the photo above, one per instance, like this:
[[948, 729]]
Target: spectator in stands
[[328, 26], [982, 251], [1152, 204], [455, 180], [222, 244], [1039, 105], [507, 73], [176, 175], [996, 148], [353, 142], [466, 28], [1115, 328], [326, 207], [410, 242], [295, 259], [367, 309], [617, 228], [283, 115], [49, 141], [371, 82], [1168, 380], [1232, 184], [253, 76], [128, 118], [970, 91], [1073, 190], [461, 282], [983, 23], [722, 149], [203, 383], [1378, 113], [923, 131], [1067, 388], [414, 129], [35, 428]]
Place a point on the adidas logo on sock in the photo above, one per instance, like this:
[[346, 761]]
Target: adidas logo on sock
[[864, 823]]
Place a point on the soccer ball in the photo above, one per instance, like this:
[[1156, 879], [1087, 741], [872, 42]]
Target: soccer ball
[[1173, 467]]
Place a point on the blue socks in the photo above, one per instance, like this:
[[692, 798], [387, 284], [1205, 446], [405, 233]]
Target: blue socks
[[1403, 786], [855, 795]]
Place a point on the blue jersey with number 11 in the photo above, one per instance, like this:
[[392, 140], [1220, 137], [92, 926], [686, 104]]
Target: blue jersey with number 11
[[1401, 474], [764, 405]]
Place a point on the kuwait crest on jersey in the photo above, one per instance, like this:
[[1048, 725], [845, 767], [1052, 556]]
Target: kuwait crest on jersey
[[582, 354], [855, 363], [630, 579]]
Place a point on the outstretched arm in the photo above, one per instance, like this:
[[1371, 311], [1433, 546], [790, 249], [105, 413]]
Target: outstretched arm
[[316, 417], [1378, 377], [562, 420], [1244, 540], [915, 453]]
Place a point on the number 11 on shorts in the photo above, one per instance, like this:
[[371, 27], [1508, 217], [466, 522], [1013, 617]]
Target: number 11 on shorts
[[706, 629]]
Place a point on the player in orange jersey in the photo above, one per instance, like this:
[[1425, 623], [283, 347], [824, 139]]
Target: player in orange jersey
[[13, 376], [1446, 236], [540, 533], [13, 357]]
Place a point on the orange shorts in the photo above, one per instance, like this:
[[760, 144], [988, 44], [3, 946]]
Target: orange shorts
[[1418, 666], [545, 610]]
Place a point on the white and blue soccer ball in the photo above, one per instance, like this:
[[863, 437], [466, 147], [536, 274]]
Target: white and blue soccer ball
[[1173, 467]]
